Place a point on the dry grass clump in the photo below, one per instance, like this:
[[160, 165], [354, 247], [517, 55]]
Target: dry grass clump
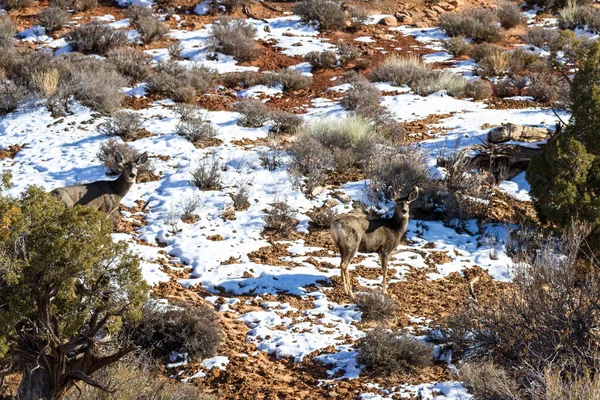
[[107, 156], [477, 23], [95, 37], [383, 352], [131, 62], [124, 124], [253, 113], [327, 13], [376, 306], [241, 197], [234, 37], [7, 29], [194, 331], [52, 18], [127, 381], [487, 380], [207, 176], [577, 16], [457, 46], [421, 78]]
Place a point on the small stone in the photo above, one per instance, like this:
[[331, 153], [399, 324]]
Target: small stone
[[390, 20], [438, 9], [317, 191], [329, 203], [341, 196], [407, 20], [455, 3]]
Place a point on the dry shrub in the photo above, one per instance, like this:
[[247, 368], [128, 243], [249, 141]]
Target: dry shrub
[[346, 52], [311, 162], [487, 380], [191, 330], [575, 16], [189, 205], [495, 63], [463, 188], [131, 62], [196, 130], [175, 49], [241, 196], [16, 4], [107, 156], [124, 124], [178, 82], [547, 317], [254, 113], [321, 59], [207, 176], [479, 89], [376, 306], [135, 12], [383, 352], [540, 37], [457, 46], [93, 82], [402, 168], [127, 381], [46, 82], [291, 79], [285, 122], [544, 87], [510, 15], [484, 50], [11, 97], [85, 5], [327, 13], [583, 386], [52, 18], [280, 217], [7, 28], [270, 158], [234, 37], [522, 61], [477, 23], [358, 16], [95, 37], [150, 28], [322, 217], [364, 99]]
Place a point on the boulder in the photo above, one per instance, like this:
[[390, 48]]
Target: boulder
[[517, 133], [390, 20]]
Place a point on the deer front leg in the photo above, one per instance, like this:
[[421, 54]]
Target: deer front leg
[[383, 256]]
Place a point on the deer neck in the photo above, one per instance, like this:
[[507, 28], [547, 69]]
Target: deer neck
[[400, 221], [121, 186]]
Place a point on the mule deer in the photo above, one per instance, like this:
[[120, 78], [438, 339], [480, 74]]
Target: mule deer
[[382, 236], [104, 196]]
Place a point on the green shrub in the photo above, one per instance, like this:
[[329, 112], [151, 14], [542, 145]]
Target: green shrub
[[477, 23], [57, 285]]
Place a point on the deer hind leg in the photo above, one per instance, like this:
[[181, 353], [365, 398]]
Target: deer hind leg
[[347, 256], [384, 256]]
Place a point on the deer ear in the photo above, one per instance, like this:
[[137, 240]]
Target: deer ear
[[392, 193], [142, 158], [119, 157], [413, 195]]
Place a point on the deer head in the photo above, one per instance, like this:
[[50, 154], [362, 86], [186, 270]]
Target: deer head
[[403, 203], [130, 168]]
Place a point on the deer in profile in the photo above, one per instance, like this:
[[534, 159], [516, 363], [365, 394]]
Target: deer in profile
[[353, 233], [104, 196]]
